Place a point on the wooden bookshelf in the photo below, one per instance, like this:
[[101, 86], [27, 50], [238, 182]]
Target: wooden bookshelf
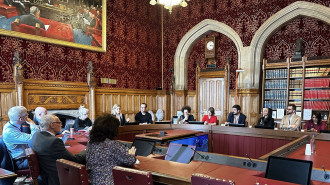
[[305, 83]]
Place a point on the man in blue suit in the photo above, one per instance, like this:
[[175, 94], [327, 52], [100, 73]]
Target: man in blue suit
[[236, 117]]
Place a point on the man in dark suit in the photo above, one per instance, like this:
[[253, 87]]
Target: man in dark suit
[[236, 117], [32, 18], [49, 148]]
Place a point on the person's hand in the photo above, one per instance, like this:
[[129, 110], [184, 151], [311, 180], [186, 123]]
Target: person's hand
[[29, 121], [132, 151], [127, 119], [205, 122], [227, 123], [313, 130]]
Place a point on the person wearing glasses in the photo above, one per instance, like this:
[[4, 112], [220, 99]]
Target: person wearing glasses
[[14, 138], [49, 148], [290, 121]]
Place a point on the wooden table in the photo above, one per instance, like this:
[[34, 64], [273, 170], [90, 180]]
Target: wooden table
[[179, 173], [321, 156], [6, 174], [170, 134]]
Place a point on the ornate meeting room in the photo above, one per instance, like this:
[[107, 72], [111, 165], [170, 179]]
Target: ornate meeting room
[[157, 92]]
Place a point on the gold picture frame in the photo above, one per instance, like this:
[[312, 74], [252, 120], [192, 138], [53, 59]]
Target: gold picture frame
[[101, 47]]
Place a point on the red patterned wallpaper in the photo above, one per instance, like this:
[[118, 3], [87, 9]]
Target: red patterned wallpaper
[[314, 33], [133, 54], [245, 17]]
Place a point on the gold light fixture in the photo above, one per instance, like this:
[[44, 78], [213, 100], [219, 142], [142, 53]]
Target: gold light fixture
[[168, 4]]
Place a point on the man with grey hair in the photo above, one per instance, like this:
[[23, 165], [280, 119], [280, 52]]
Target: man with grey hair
[[32, 18], [49, 148], [39, 112], [16, 140]]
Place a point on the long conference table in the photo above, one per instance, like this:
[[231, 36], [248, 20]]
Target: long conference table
[[169, 172]]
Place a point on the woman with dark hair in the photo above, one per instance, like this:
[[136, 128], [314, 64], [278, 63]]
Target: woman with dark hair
[[316, 124], [103, 152], [186, 117], [210, 118], [266, 120]]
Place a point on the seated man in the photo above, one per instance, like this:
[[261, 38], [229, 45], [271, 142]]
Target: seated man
[[290, 121], [32, 18], [49, 148], [17, 141], [236, 117], [143, 116], [39, 112]]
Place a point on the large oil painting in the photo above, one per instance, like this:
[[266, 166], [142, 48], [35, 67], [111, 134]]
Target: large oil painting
[[73, 23]]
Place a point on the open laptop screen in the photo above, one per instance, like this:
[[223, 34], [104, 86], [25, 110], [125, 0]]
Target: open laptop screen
[[180, 153], [143, 147], [289, 170], [65, 137]]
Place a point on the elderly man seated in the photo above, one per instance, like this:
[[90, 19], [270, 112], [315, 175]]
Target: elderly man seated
[[49, 148], [17, 141]]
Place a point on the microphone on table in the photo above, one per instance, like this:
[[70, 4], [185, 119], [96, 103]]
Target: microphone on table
[[251, 162], [206, 157], [326, 176]]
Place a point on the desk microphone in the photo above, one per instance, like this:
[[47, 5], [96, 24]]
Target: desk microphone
[[251, 162], [326, 176], [206, 157]]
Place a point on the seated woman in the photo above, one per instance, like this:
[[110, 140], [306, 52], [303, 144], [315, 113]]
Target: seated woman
[[266, 120], [103, 152], [186, 117], [121, 117], [82, 121], [210, 118], [316, 124]]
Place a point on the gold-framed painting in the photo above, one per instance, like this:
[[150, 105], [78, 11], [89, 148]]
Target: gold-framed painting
[[73, 23]]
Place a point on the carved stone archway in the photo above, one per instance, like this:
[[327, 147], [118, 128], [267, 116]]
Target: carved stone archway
[[275, 22], [188, 41]]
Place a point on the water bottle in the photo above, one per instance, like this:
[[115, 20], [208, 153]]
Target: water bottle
[[313, 144]]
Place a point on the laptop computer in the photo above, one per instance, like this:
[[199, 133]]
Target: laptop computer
[[143, 147], [131, 123], [162, 122], [65, 138], [263, 127], [289, 170], [196, 122], [180, 153], [236, 125]]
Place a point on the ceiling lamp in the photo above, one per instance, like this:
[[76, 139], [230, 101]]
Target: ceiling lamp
[[168, 4]]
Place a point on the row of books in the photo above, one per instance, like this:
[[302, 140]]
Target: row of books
[[275, 104], [276, 84], [295, 95], [317, 83], [276, 73], [297, 103], [317, 71], [317, 94], [279, 95], [296, 72], [295, 83], [318, 105]]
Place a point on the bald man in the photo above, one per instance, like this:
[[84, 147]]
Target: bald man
[[38, 114]]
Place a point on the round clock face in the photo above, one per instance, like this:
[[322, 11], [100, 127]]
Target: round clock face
[[210, 45]]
